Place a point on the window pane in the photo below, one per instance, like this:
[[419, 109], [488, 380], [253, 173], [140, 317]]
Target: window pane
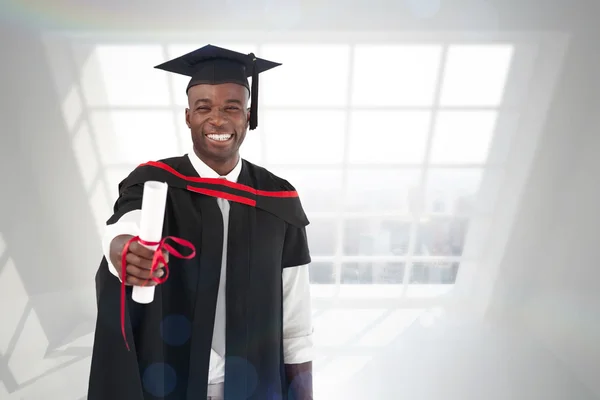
[[251, 149], [452, 191], [322, 273], [463, 137], [372, 273], [388, 136], [301, 81], [475, 75], [322, 234], [434, 272], [441, 237], [319, 190], [185, 135], [122, 75], [134, 137], [180, 82], [304, 137], [395, 75], [382, 190], [376, 237]]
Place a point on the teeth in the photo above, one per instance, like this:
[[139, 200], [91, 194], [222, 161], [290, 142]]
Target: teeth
[[220, 138]]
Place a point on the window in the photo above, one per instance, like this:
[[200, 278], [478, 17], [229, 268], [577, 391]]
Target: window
[[387, 144]]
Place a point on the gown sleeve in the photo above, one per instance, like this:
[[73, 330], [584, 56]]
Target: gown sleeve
[[295, 247]]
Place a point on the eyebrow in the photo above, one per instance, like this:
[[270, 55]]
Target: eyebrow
[[230, 101]]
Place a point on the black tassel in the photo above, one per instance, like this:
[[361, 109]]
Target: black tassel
[[254, 94]]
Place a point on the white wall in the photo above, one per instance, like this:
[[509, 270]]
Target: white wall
[[549, 277]]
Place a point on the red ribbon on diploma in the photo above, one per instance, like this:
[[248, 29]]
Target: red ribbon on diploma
[[158, 258]]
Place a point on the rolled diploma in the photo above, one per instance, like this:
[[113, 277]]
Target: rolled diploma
[[151, 226]]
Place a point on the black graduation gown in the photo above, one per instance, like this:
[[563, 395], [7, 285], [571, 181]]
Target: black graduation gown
[[170, 338]]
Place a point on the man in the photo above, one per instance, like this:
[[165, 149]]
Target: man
[[234, 321]]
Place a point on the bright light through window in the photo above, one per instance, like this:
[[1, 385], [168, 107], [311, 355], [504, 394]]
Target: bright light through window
[[452, 190], [304, 137], [475, 75], [127, 77], [133, 137], [394, 75], [397, 137], [463, 137], [310, 75], [384, 189]]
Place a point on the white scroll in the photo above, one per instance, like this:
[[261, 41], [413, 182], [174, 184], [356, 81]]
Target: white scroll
[[154, 201]]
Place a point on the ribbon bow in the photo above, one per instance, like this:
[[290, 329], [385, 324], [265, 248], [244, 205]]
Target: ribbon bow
[[158, 258]]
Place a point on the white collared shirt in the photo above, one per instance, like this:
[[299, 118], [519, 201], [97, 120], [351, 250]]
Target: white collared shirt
[[297, 314]]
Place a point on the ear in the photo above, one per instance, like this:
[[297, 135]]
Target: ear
[[187, 117], [248, 117]]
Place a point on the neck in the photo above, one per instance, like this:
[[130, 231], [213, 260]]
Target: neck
[[221, 167]]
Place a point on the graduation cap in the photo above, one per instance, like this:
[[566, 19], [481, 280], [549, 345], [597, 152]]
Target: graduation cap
[[215, 65]]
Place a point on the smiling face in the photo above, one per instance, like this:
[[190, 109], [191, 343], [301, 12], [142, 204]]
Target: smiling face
[[218, 120]]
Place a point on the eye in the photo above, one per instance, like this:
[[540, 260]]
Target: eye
[[203, 108], [232, 108]]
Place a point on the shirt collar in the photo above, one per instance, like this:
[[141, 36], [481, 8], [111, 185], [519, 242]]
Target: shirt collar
[[207, 172]]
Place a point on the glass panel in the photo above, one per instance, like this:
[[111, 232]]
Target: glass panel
[[322, 234], [180, 82], [463, 137], [434, 272], [407, 77], [319, 190], [376, 237], [304, 137], [475, 75], [185, 136], [441, 237], [388, 136], [372, 273], [251, 149], [122, 75], [322, 273], [382, 190], [453, 191], [301, 81], [134, 137]]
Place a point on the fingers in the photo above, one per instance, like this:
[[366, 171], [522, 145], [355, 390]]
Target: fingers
[[140, 276], [139, 264], [138, 261], [141, 251]]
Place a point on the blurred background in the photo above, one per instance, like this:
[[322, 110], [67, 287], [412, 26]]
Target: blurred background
[[445, 151]]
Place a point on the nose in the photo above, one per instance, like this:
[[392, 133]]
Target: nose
[[216, 118]]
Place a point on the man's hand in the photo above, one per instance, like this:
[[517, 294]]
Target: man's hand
[[139, 261], [300, 380]]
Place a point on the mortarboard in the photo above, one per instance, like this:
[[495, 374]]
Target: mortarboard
[[215, 65]]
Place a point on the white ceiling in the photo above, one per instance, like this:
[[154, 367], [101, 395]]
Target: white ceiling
[[189, 15]]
